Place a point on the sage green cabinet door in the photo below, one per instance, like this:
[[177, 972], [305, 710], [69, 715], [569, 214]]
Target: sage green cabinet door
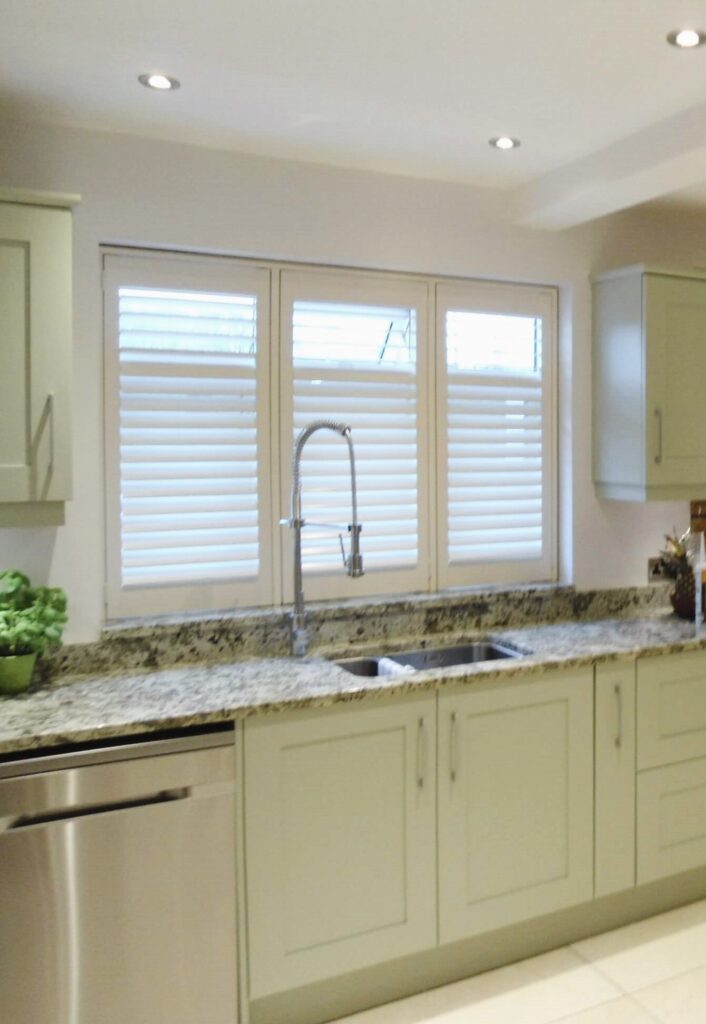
[[615, 778], [649, 364], [339, 840], [35, 353], [675, 322], [515, 802]]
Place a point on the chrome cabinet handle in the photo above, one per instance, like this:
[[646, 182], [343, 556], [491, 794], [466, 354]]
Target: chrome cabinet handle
[[420, 754], [658, 456], [619, 699], [452, 747]]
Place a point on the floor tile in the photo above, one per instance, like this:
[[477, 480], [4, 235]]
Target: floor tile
[[649, 951], [617, 1011], [680, 1000], [540, 990]]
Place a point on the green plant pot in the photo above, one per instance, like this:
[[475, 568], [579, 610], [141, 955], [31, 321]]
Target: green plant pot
[[16, 672]]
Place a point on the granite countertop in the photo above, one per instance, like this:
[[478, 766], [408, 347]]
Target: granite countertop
[[110, 704]]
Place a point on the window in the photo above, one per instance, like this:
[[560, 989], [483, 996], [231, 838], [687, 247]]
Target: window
[[213, 366]]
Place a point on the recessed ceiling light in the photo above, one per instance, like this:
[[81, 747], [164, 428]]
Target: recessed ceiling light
[[504, 142], [157, 81], [686, 38]]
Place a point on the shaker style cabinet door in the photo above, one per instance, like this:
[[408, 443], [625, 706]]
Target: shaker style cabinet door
[[649, 364], [35, 353], [615, 777], [675, 324], [515, 802], [340, 840]]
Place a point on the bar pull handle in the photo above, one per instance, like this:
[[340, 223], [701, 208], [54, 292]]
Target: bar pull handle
[[452, 747], [421, 754], [619, 701], [29, 820], [50, 417], [658, 456]]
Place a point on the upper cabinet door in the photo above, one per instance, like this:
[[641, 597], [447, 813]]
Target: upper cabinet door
[[649, 365], [675, 325], [35, 352]]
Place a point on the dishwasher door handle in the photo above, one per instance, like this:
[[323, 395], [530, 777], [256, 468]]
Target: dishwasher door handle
[[29, 820]]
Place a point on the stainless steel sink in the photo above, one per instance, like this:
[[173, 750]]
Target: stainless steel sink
[[429, 657], [360, 666]]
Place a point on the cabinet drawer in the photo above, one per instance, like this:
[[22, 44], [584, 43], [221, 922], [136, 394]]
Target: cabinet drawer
[[671, 709], [671, 820]]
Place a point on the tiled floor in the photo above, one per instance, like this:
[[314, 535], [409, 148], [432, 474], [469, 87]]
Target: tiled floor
[[652, 971]]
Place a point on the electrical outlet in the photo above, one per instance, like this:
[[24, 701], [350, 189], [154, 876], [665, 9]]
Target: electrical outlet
[[655, 570]]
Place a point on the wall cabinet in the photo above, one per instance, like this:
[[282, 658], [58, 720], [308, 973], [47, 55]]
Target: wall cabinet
[[515, 802], [648, 371], [35, 340], [340, 841]]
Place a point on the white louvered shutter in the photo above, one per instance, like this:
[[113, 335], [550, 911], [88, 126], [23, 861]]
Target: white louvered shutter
[[352, 352], [496, 433], [191, 435]]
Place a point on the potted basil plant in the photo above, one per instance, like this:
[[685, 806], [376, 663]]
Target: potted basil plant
[[32, 620]]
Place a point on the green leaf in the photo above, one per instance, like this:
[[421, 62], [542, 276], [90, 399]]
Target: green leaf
[[31, 618]]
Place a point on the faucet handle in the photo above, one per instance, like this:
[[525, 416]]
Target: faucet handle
[[344, 556], [353, 563]]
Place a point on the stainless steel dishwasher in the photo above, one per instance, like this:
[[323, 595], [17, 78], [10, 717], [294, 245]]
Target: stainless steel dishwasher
[[117, 885]]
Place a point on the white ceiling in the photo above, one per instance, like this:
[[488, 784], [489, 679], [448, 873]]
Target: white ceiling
[[608, 113]]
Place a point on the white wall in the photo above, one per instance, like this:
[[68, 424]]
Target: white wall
[[136, 191]]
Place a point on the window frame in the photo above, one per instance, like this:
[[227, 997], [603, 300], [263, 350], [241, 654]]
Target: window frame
[[280, 283]]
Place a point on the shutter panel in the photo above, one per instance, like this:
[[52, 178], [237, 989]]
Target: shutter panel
[[189, 445], [496, 434], [357, 362]]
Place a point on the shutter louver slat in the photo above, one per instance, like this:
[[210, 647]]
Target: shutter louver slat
[[188, 437]]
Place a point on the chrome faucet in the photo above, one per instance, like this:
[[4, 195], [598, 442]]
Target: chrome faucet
[[353, 562]]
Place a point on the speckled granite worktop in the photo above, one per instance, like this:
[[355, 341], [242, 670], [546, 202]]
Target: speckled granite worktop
[[97, 706]]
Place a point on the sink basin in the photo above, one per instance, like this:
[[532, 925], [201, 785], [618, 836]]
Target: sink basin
[[360, 666], [429, 657]]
